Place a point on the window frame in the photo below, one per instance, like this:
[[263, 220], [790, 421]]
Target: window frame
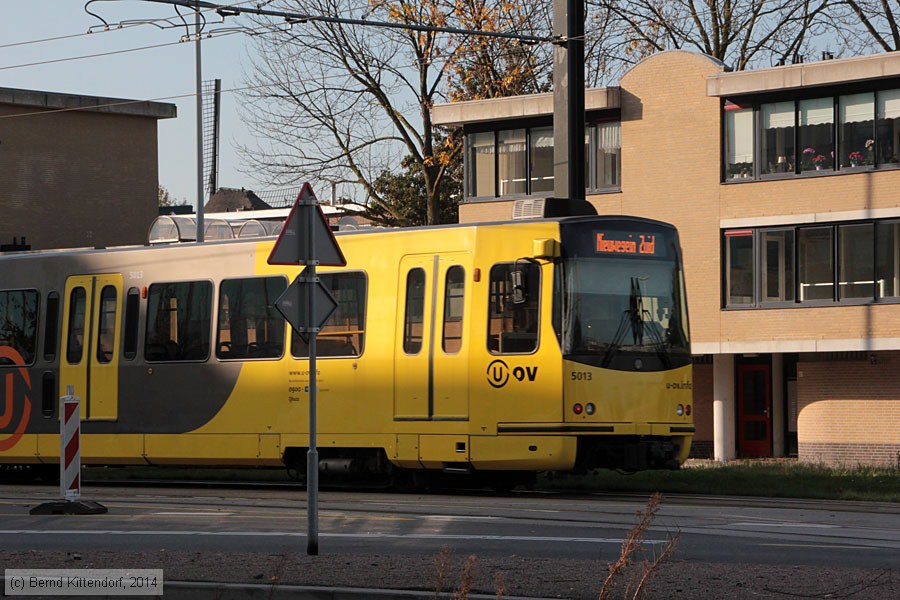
[[879, 260], [32, 357], [209, 321], [294, 339], [838, 98], [492, 297], [271, 314]]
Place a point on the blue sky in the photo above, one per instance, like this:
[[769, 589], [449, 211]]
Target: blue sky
[[157, 73]]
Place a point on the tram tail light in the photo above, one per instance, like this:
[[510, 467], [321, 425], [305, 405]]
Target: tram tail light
[[577, 409], [687, 410]]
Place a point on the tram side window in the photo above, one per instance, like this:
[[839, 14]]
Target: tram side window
[[77, 309], [132, 308], [454, 295], [249, 325], [513, 308], [106, 328], [178, 321], [414, 314], [343, 334], [18, 326], [51, 327]]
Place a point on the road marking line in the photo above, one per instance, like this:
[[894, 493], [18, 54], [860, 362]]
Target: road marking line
[[842, 547], [400, 536], [193, 514], [788, 524]]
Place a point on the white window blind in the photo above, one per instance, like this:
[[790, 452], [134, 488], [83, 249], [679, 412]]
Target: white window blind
[[857, 108], [778, 115], [740, 138], [889, 104], [816, 112]]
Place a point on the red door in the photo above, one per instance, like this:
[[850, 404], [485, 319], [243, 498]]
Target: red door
[[754, 410]]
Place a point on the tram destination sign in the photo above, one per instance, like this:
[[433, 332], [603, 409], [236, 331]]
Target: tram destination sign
[[625, 242]]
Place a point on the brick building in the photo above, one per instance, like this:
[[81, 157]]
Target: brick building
[[76, 170], [784, 185]]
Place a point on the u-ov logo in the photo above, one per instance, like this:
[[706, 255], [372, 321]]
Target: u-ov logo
[[6, 417], [498, 373]]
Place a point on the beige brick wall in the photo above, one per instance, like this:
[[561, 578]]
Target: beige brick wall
[[73, 179], [849, 412]]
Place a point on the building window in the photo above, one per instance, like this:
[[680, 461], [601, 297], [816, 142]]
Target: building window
[[609, 151], [739, 271], [777, 137], [867, 135], [816, 132], [777, 265], [815, 263], [541, 159], [887, 134], [856, 261], [857, 118], [862, 258], [516, 162], [738, 142], [888, 263], [511, 163], [481, 164]]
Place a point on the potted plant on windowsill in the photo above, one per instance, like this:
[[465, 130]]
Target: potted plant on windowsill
[[856, 158], [819, 161]]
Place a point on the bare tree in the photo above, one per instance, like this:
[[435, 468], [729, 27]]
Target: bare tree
[[344, 103], [741, 33], [866, 25]]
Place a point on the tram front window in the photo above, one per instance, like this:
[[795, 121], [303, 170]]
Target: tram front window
[[616, 309]]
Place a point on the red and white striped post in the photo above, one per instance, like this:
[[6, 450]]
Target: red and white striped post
[[69, 441]]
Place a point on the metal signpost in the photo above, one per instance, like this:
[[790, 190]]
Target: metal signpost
[[307, 240]]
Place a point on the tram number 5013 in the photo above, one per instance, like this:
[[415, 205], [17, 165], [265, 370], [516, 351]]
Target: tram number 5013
[[581, 375]]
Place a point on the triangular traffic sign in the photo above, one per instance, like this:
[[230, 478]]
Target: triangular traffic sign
[[292, 246]]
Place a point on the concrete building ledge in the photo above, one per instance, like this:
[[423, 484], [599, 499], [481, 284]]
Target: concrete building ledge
[[783, 346], [801, 218], [814, 74], [61, 101], [516, 107]]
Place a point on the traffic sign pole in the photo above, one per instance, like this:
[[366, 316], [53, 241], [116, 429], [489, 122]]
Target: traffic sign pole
[[307, 305], [312, 458]]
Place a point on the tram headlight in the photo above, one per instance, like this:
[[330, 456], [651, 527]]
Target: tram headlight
[[590, 408], [679, 410]]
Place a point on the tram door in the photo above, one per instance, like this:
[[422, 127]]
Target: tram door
[[430, 358], [754, 410], [90, 343]]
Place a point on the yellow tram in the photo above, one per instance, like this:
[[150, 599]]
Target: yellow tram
[[493, 350]]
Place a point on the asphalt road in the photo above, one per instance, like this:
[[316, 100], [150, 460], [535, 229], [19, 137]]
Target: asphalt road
[[396, 540]]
